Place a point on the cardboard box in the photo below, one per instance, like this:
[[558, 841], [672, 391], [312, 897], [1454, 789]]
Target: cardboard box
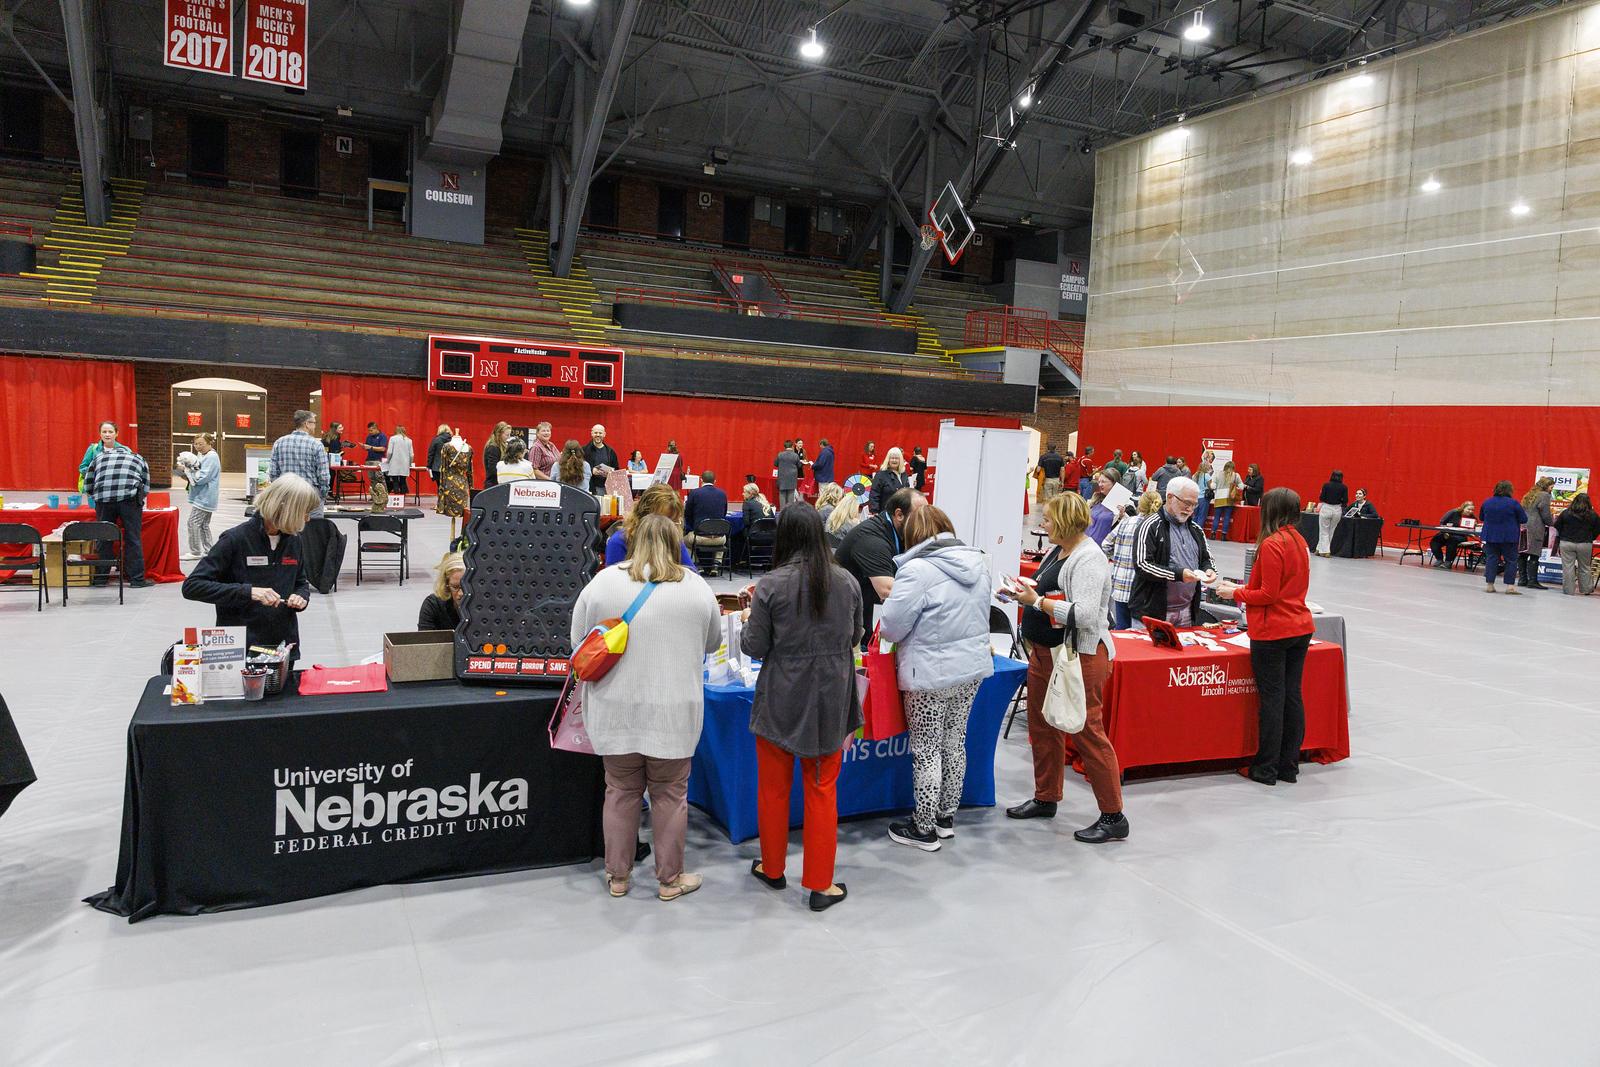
[[420, 656]]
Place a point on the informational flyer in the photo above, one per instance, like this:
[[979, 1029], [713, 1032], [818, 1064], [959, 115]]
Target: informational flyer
[[1570, 481]]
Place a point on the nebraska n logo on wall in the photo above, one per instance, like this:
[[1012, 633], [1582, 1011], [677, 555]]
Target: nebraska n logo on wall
[[450, 180]]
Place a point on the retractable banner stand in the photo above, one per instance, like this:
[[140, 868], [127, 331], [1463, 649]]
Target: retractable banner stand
[[199, 36], [1222, 446], [983, 486], [275, 42]]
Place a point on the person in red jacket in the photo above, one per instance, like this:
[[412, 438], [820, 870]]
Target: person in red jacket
[[869, 459], [1280, 633]]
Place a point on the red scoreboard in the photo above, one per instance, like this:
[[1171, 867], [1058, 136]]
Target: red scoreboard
[[503, 369]]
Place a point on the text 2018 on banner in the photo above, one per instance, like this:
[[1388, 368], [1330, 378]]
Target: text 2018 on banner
[[275, 42]]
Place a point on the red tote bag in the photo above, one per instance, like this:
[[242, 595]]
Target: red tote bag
[[882, 711], [363, 678]]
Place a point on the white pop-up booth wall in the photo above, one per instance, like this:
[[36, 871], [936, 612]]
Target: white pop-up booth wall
[[982, 484]]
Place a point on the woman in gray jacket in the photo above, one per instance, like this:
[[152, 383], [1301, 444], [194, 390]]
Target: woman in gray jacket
[[803, 624], [1540, 520], [938, 617]]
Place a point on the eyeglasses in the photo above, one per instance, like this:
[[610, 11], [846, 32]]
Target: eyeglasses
[[1181, 502]]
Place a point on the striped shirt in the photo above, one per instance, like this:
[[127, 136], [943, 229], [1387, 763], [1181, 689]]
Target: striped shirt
[[1118, 546]]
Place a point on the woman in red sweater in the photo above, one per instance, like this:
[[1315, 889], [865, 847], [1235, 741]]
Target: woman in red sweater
[[1280, 633]]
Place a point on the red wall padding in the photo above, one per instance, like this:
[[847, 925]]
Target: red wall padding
[[51, 410], [1414, 461], [731, 437]]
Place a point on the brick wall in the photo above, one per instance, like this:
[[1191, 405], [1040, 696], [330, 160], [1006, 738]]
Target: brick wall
[[286, 390], [346, 175], [513, 190], [1055, 419], [704, 223], [637, 202]]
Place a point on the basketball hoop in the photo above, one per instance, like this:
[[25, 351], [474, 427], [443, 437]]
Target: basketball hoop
[[930, 236]]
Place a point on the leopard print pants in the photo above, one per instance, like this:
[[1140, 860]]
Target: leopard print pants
[[938, 722]]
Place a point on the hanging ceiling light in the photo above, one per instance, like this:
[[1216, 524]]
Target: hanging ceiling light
[[1197, 30], [578, 3], [1300, 157], [1520, 208], [1026, 100], [1431, 185], [811, 48]]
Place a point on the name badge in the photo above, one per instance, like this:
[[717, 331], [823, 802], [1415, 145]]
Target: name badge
[[256, 561]]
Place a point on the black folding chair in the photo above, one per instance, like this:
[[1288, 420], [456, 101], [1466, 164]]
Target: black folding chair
[[709, 558], [20, 533], [1000, 623], [387, 526], [105, 533], [760, 542], [1018, 702]]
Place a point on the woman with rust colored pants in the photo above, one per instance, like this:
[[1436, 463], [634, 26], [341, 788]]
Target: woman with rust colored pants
[[1073, 585]]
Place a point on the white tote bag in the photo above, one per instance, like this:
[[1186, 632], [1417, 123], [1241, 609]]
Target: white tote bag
[[1065, 705]]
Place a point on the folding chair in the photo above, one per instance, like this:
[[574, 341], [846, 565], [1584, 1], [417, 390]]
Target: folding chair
[[399, 548], [102, 532], [1018, 702], [20, 533], [710, 529], [1000, 623], [760, 542]]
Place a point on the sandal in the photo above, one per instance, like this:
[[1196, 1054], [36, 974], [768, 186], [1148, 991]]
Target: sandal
[[618, 886], [682, 885]]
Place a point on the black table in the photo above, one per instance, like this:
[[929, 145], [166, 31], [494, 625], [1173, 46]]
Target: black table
[[235, 805], [1352, 538], [16, 773]]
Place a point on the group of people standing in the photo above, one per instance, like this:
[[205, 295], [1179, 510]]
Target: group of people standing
[[1515, 534], [1221, 487]]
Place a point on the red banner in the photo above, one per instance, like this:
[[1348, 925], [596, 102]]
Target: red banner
[[199, 35], [275, 42]]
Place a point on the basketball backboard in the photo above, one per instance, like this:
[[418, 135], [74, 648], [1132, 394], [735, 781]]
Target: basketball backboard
[[949, 217]]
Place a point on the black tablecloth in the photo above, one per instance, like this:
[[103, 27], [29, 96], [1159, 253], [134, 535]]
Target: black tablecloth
[[1352, 538], [16, 773], [235, 805]]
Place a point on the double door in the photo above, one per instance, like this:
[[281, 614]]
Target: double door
[[234, 419]]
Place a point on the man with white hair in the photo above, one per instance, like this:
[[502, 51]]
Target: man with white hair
[[601, 457], [1171, 560]]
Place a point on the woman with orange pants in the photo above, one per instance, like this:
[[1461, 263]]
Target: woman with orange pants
[[1073, 584], [803, 624]]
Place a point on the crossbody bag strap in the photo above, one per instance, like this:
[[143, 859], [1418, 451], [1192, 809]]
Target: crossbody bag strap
[[638, 602]]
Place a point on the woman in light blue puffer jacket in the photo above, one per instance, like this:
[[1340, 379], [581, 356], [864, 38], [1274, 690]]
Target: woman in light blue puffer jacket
[[938, 617], [205, 477]]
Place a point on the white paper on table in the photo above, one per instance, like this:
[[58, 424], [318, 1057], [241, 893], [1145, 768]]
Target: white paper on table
[[1238, 641], [1314, 608], [24, 507], [1118, 499]]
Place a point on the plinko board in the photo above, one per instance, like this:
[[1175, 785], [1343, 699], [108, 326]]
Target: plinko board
[[531, 550]]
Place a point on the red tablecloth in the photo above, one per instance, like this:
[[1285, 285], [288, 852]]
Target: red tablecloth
[[1168, 707], [159, 532], [1246, 524]]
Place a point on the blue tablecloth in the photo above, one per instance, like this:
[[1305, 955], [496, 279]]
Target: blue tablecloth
[[875, 777]]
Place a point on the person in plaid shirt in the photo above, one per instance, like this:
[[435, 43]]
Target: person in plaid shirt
[[1118, 547], [299, 452], [119, 480]]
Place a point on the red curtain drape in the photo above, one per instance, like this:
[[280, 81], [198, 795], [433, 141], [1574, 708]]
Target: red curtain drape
[[1414, 461], [50, 411], [731, 437]]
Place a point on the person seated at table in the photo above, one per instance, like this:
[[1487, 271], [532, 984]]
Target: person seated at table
[[1281, 625], [1072, 585], [636, 463], [937, 615], [441, 609], [755, 505], [707, 502], [1171, 560], [656, 500], [1447, 542], [803, 624], [644, 717], [255, 574], [844, 516], [1361, 507], [514, 464]]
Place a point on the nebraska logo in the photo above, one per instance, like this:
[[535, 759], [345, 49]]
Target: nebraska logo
[[1190, 676], [449, 191], [530, 494], [450, 181]]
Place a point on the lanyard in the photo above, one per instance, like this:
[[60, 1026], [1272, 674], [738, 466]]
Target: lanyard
[[894, 534]]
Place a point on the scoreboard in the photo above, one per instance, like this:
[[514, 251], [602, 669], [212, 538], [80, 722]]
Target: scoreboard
[[504, 369]]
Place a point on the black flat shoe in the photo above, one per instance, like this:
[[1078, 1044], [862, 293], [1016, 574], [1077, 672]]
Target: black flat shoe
[[1290, 778], [1105, 828], [780, 882], [1032, 809], [822, 901], [1246, 772]]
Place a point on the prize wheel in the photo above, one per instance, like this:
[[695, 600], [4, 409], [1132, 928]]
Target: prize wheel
[[531, 549], [859, 484]]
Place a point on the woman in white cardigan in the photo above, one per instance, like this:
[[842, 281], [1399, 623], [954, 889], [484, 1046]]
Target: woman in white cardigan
[[644, 716]]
